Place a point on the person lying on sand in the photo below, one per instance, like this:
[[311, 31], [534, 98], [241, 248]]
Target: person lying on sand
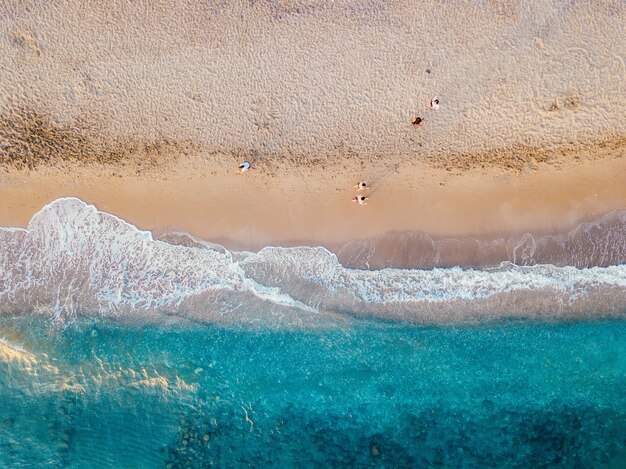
[[245, 166], [361, 186], [434, 103], [360, 199]]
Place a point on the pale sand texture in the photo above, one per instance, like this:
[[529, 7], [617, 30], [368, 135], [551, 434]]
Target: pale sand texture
[[312, 81], [255, 209]]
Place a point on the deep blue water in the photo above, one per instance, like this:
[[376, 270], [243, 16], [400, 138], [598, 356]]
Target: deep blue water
[[364, 394]]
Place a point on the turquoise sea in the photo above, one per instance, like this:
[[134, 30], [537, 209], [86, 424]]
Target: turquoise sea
[[121, 350], [360, 394]]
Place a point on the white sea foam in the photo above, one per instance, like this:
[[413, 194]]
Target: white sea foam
[[73, 259]]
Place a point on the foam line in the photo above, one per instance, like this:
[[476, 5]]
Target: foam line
[[73, 259]]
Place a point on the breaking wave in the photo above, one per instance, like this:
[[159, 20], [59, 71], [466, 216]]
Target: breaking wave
[[74, 260]]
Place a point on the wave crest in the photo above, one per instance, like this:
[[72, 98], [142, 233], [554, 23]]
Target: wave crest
[[73, 259]]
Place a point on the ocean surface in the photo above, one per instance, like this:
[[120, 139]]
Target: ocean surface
[[121, 350]]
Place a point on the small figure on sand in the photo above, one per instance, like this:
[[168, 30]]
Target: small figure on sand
[[360, 199], [361, 186], [417, 121], [434, 103], [245, 166]]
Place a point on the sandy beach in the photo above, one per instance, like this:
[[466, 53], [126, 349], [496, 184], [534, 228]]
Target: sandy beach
[[529, 134]]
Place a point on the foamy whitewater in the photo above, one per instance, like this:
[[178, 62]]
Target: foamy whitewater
[[74, 260]]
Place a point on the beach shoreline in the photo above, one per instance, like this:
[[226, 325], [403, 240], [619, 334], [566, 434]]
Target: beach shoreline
[[185, 279], [312, 206]]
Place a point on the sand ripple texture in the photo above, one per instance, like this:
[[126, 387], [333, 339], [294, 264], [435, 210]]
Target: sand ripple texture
[[307, 80], [73, 260]]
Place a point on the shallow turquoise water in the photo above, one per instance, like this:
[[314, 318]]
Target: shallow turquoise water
[[361, 395]]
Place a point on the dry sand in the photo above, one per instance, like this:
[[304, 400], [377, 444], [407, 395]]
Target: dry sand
[[145, 109]]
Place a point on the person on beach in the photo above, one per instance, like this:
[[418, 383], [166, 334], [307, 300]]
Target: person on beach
[[361, 186], [245, 166], [434, 103], [360, 199]]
